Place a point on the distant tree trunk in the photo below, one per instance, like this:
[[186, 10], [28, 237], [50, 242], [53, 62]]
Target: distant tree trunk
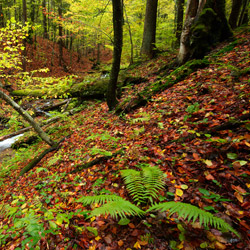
[[45, 30], [24, 54], [60, 30], [235, 13], [28, 118], [179, 20], [1, 16], [148, 41], [244, 13], [117, 50], [204, 26]]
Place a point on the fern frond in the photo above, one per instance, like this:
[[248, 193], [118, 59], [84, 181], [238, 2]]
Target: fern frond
[[153, 179], [99, 199], [185, 210], [134, 184], [117, 208], [143, 185]]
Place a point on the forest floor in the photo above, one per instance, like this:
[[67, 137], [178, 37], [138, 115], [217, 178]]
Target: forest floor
[[207, 168]]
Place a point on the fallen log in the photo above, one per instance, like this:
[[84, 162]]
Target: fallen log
[[166, 82], [37, 159], [84, 90]]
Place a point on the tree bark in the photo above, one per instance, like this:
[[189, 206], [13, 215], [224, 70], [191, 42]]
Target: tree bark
[[60, 30], [1, 16], [235, 13], [117, 51], [205, 25], [179, 20], [45, 30], [24, 54], [28, 118], [148, 42], [244, 13]]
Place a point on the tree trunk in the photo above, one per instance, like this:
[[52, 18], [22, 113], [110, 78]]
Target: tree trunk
[[244, 13], [179, 20], [28, 118], [205, 25], [1, 16], [24, 54], [45, 30], [235, 13], [148, 42], [191, 12], [60, 30], [117, 50]]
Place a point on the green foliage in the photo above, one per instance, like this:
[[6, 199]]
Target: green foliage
[[144, 186], [192, 213]]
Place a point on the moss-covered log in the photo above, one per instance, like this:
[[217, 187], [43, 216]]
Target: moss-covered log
[[85, 90], [166, 82]]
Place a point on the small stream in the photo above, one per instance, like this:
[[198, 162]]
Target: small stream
[[8, 142]]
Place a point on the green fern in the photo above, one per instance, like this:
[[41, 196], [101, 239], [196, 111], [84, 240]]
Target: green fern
[[144, 185], [190, 212], [121, 208], [99, 199]]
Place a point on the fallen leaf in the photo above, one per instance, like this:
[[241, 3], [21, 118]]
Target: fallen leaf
[[179, 192]]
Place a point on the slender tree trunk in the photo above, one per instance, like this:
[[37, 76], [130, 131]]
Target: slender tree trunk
[[118, 33], [1, 16], [244, 13], [45, 30], [235, 13], [130, 38], [24, 40], [60, 30], [28, 118], [148, 41], [179, 20]]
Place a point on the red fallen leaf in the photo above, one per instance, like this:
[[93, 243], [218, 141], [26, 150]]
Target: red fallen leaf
[[239, 197], [196, 156], [239, 189], [114, 230], [244, 224], [246, 205], [108, 239], [135, 232], [209, 177], [100, 223], [131, 225]]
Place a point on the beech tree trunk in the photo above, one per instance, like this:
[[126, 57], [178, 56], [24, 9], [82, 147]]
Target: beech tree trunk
[[1, 16], [28, 118], [24, 54], [117, 50], [45, 30], [244, 13], [148, 42], [235, 13], [60, 30], [191, 12], [205, 25], [179, 20]]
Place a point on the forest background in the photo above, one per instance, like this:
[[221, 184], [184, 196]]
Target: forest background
[[57, 55]]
